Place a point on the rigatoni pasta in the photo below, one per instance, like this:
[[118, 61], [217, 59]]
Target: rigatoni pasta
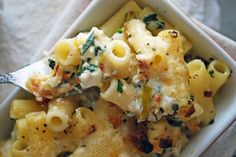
[[40, 137], [21, 107], [117, 20], [219, 73], [124, 89], [67, 52], [84, 122], [19, 149], [59, 113], [201, 90], [117, 59], [22, 130]]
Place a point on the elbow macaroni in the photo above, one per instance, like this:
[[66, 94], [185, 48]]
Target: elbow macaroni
[[123, 90]]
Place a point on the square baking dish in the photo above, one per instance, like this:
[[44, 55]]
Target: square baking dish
[[100, 10]]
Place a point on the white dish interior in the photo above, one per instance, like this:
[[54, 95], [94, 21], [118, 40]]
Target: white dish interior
[[99, 10]]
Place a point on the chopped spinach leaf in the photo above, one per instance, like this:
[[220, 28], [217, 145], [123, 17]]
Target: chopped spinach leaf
[[145, 146], [160, 24], [88, 43], [91, 68], [150, 17], [51, 63], [151, 22], [97, 50], [120, 86], [119, 30]]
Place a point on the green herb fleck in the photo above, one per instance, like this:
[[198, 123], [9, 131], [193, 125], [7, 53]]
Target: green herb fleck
[[97, 50], [160, 24], [91, 68], [140, 52], [211, 72], [151, 22], [51, 63], [150, 17], [120, 86], [88, 43], [119, 30]]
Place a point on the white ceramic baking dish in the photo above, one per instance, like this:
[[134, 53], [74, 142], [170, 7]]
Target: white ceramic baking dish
[[99, 10]]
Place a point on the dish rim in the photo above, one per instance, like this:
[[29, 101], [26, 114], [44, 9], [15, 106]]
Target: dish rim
[[71, 30]]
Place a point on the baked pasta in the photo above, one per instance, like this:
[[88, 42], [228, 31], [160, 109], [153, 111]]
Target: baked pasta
[[125, 89]]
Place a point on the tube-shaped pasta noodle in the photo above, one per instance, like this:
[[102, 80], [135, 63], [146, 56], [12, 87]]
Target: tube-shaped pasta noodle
[[22, 130], [147, 47], [21, 107], [219, 73], [136, 34], [19, 149], [200, 88], [186, 44], [41, 139], [123, 95], [59, 113], [172, 37], [66, 52], [117, 20], [84, 122], [117, 58]]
